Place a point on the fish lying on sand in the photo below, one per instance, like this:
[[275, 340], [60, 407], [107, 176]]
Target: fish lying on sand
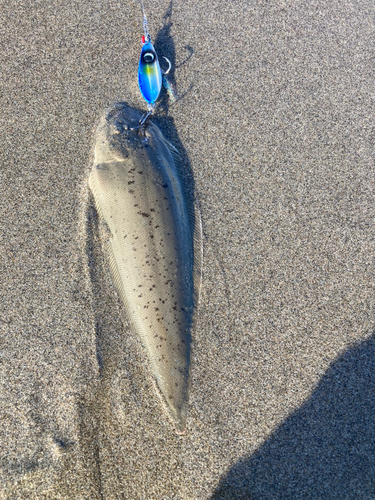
[[154, 247]]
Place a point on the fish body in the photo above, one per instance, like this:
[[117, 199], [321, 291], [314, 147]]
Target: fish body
[[150, 77], [154, 246]]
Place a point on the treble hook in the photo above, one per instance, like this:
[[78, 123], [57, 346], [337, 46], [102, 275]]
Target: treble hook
[[142, 121], [144, 118], [170, 66]]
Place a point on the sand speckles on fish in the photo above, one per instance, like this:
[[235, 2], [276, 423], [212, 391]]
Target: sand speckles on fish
[[154, 246]]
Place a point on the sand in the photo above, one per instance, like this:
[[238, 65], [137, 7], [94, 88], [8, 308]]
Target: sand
[[276, 124]]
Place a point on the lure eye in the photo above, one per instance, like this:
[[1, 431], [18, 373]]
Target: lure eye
[[148, 57]]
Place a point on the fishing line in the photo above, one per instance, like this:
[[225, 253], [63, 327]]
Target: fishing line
[[145, 24]]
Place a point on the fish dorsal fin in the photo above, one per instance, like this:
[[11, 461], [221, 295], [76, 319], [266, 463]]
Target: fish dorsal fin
[[193, 213], [195, 221], [175, 155]]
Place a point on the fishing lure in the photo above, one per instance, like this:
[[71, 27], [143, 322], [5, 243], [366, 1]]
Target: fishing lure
[[150, 74]]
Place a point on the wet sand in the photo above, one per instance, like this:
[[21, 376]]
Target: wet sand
[[276, 124]]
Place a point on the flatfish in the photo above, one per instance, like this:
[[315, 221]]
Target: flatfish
[[154, 246]]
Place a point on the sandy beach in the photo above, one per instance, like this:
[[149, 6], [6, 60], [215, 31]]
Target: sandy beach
[[275, 125]]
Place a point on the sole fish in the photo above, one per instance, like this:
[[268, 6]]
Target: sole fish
[[154, 245]]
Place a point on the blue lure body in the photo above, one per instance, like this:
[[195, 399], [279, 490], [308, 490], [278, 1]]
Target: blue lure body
[[150, 77]]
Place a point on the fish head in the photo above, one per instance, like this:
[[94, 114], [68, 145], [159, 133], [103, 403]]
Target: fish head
[[117, 135]]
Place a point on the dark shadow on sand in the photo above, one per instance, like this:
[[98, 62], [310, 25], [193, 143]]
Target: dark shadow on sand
[[325, 449], [164, 46]]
